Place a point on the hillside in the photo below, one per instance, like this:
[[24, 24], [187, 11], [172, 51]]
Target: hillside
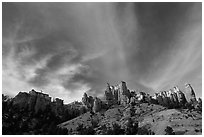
[[130, 112], [151, 119], [121, 112]]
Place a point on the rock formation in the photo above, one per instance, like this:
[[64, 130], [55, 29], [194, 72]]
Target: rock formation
[[190, 94], [42, 101], [37, 101], [140, 96], [171, 99], [199, 104], [85, 99], [33, 100], [165, 101], [124, 93], [109, 94], [160, 98], [175, 99], [21, 100], [114, 95], [88, 101], [118, 94], [181, 97], [57, 106], [133, 100], [97, 105]]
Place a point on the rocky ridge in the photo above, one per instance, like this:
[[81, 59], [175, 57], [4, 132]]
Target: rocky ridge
[[121, 95], [129, 112], [121, 111], [35, 113]]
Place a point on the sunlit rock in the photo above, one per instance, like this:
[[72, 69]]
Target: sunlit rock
[[190, 94], [87, 101], [97, 105], [180, 96]]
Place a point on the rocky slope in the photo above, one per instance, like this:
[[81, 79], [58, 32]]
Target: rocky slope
[[166, 112], [149, 118], [120, 112]]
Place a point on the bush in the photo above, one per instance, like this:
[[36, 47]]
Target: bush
[[81, 130], [115, 129], [169, 131], [145, 130]]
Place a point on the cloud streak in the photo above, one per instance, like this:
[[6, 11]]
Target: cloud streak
[[66, 49]]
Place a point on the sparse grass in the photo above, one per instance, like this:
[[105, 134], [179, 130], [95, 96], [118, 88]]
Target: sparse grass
[[115, 115]]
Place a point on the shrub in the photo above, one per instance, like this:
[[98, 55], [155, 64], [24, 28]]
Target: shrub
[[145, 130], [81, 130], [169, 131]]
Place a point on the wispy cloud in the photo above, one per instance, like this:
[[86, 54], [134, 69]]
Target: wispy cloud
[[66, 49]]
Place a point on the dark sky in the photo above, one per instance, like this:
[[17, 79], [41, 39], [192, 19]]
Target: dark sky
[[66, 49]]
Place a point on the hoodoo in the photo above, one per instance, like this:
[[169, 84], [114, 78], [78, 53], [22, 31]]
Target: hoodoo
[[190, 94], [121, 95]]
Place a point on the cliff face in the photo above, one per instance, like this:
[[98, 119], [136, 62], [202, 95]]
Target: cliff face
[[97, 105], [88, 101], [114, 95], [118, 94], [36, 101], [33, 101], [190, 94], [119, 105], [22, 100], [121, 95], [166, 112]]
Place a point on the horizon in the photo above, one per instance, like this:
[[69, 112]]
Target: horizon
[[66, 49], [101, 95]]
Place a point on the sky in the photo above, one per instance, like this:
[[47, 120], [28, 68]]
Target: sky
[[66, 49]]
